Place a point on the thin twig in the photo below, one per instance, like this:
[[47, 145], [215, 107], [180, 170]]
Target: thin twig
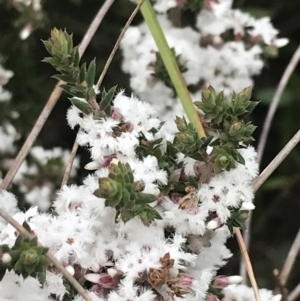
[[55, 262], [290, 260], [94, 25], [32, 136], [279, 289], [100, 80], [275, 101], [295, 293], [261, 179], [70, 162], [247, 262], [276, 162], [52, 101], [117, 44], [264, 136]]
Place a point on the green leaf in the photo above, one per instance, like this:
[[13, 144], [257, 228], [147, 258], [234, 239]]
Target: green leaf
[[18, 266], [15, 255], [81, 104], [197, 156], [192, 182], [65, 78], [113, 202], [82, 72], [18, 242], [106, 100], [145, 198], [91, 73], [238, 157]]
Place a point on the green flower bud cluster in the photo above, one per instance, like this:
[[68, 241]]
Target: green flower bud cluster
[[27, 258], [161, 72], [187, 140], [79, 81], [123, 194], [226, 119]]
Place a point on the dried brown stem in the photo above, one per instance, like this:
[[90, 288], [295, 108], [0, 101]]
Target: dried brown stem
[[280, 289], [266, 174], [264, 136], [275, 101], [117, 44], [247, 262], [276, 162], [295, 293], [70, 162], [290, 260], [52, 101], [55, 262], [32, 137]]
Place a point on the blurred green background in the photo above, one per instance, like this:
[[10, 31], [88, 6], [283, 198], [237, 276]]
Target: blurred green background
[[276, 218]]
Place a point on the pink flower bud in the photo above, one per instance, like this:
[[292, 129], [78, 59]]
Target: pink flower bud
[[104, 280], [108, 160], [223, 281], [97, 290], [116, 115], [186, 280]]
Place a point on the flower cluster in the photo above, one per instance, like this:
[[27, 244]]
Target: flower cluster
[[176, 256], [151, 223], [224, 48]]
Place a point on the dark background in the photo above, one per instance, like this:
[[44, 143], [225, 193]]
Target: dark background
[[276, 218]]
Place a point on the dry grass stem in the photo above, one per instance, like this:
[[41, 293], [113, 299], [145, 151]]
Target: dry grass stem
[[70, 162], [51, 258], [32, 137], [117, 44], [264, 136], [275, 101], [295, 293], [52, 101], [276, 161], [261, 179], [247, 262], [290, 260]]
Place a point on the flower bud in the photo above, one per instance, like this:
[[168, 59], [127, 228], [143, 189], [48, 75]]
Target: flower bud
[[248, 206], [223, 281], [112, 272], [95, 267], [213, 224], [108, 187], [6, 258], [235, 127], [97, 290], [92, 165], [223, 160], [186, 280], [245, 94], [281, 42], [70, 269], [29, 257]]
